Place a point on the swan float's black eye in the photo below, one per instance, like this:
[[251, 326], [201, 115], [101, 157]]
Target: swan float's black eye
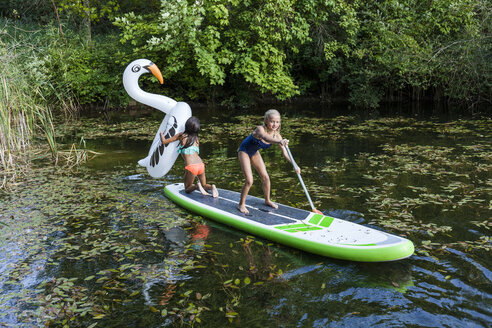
[[136, 68]]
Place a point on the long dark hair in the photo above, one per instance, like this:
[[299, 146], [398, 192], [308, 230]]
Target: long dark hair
[[192, 126]]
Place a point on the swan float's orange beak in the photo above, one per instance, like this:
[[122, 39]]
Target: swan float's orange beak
[[155, 70]]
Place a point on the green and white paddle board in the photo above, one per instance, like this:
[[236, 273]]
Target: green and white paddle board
[[308, 231]]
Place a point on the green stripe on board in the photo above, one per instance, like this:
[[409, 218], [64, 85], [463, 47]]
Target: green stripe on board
[[309, 229], [315, 218], [327, 220], [292, 226]]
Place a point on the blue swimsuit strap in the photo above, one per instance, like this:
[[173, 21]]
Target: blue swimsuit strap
[[259, 142], [263, 144], [251, 145]]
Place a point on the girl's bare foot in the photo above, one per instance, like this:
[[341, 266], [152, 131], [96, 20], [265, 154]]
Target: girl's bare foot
[[201, 189], [272, 204], [215, 192], [242, 209]]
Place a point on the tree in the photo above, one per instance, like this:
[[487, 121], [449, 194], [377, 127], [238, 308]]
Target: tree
[[370, 51], [88, 11], [321, 64], [221, 40]]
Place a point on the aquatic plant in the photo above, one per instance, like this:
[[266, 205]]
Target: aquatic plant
[[22, 115], [102, 245], [28, 100]]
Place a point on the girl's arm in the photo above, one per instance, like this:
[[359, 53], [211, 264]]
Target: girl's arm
[[260, 132], [286, 155], [169, 140]]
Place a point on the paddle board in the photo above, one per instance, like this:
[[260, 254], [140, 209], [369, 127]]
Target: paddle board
[[297, 228]]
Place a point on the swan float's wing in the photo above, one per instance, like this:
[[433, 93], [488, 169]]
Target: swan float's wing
[[161, 157]]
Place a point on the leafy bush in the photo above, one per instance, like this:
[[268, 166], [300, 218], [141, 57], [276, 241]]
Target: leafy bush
[[215, 41]]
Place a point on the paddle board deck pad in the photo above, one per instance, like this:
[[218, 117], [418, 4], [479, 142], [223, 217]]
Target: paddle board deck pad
[[161, 157], [308, 231]]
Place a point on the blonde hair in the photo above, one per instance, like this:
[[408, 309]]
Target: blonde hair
[[269, 113]]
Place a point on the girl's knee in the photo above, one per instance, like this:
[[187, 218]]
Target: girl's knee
[[265, 178], [190, 188], [248, 182]]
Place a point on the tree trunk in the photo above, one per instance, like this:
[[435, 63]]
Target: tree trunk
[[88, 20], [59, 22]]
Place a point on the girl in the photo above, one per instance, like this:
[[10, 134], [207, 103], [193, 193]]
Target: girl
[[262, 138], [194, 165]]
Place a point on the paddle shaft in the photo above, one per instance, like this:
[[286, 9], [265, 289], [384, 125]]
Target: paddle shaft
[[300, 179]]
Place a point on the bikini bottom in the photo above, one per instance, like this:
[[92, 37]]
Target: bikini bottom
[[196, 169]]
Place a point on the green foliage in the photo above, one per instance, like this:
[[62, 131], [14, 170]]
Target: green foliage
[[69, 74], [40, 11], [333, 29], [87, 73], [236, 52], [24, 112], [369, 50], [462, 64], [222, 39], [87, 9], [399, 40], [72, 71]]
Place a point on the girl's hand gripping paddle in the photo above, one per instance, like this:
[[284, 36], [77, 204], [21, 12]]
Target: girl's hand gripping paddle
[[302, 182]]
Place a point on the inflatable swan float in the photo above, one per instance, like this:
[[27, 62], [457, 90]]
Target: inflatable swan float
[[160, 158]]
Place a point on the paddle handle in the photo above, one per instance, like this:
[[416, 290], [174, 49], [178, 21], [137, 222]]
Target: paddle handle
[[300, 178]]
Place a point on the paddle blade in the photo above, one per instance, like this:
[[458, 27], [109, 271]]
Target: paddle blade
[[317, 211]]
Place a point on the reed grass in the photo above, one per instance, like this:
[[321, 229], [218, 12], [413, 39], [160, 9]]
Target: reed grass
[[26, 117], [20, 117]]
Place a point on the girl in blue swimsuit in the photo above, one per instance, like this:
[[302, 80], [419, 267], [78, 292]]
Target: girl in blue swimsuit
[[262, 138], [189, 149]]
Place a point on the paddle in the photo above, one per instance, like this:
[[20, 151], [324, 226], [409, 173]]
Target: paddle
[[302, 182]]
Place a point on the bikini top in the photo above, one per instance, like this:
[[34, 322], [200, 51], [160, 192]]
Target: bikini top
[[189, 150]]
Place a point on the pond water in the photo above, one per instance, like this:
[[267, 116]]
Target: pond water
[[99, 245]]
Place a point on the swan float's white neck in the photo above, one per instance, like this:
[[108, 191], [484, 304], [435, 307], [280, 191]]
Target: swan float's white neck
[[130, 81]]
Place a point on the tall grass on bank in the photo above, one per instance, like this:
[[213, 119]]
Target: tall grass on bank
[[21, 118], [31, 59], [24, 113]]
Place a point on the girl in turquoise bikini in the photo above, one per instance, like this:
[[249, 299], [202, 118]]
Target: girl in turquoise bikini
[[262, 138], [189, 149]]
